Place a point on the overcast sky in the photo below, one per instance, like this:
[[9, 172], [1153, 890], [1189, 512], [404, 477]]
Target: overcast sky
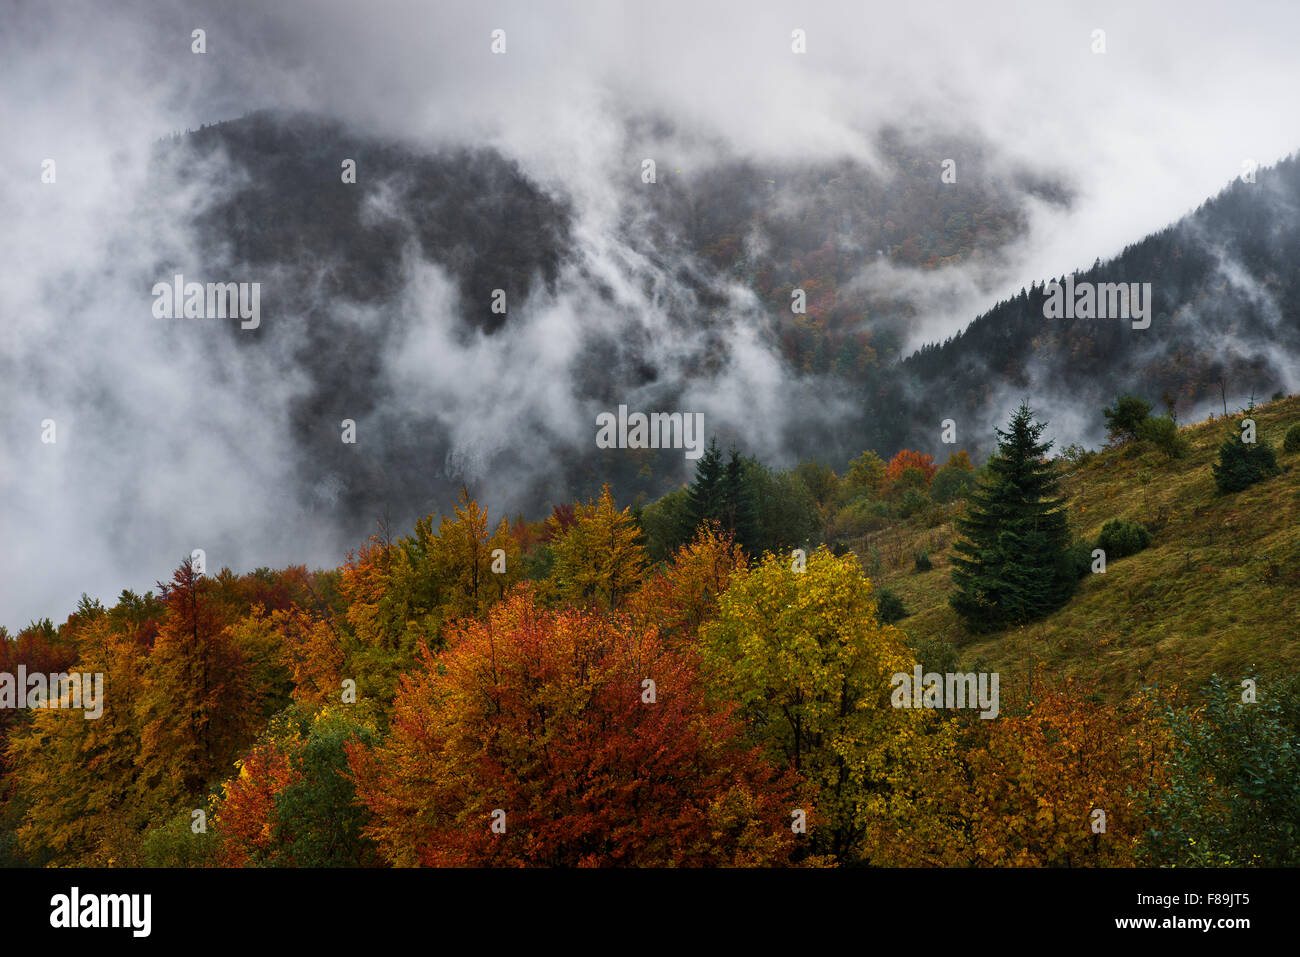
[[1144, 132]]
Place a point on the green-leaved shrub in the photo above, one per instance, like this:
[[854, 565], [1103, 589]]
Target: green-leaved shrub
[[1242, 464], [1162, 432], [1120, 538], [1232, 786], [1127, 416], [1078, 559]]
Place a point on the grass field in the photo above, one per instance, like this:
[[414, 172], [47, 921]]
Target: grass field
[[1218, 590]]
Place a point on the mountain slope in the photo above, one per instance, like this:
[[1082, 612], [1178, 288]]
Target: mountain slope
[[1225, 318], [678, 296], [1217, 590], [380, 311]]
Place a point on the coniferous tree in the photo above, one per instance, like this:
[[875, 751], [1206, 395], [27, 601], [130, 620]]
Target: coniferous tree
[[1012, 564], [1242, 464], [705, 497], [740, 513]]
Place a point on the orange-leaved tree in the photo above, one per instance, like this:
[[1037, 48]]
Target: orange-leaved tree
[[684, 595], [1052, 781], [194, 708], [909, 459], [568, 738]]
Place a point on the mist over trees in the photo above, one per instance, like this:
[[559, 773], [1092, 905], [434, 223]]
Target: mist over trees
[[848, 337]]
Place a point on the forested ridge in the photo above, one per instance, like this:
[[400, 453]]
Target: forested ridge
[[1225, 315]]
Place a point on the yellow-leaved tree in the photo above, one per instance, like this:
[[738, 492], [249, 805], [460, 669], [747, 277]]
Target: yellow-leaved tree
[[409, 591], [1052, 781], [599, 559], [798, 646], [85, 804], [477, 568]]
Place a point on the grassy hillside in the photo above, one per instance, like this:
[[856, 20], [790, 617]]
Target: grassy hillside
[[1217, 590]]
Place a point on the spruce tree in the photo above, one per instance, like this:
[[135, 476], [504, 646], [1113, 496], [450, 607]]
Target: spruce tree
[[1012, 564], [1242, 464], [706, 495], [740, 512]]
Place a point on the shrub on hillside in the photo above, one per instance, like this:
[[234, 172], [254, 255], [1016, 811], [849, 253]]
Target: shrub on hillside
[[1162, 432], [858, 518], [889, 607], [1077, 455], [1120, 538], [937, 655], [1291, 444], [1242, 464], [1231, 786], [923, 563], [1124, 420]]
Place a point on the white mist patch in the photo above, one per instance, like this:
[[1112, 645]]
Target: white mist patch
[[157, 453], [495, 396]]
